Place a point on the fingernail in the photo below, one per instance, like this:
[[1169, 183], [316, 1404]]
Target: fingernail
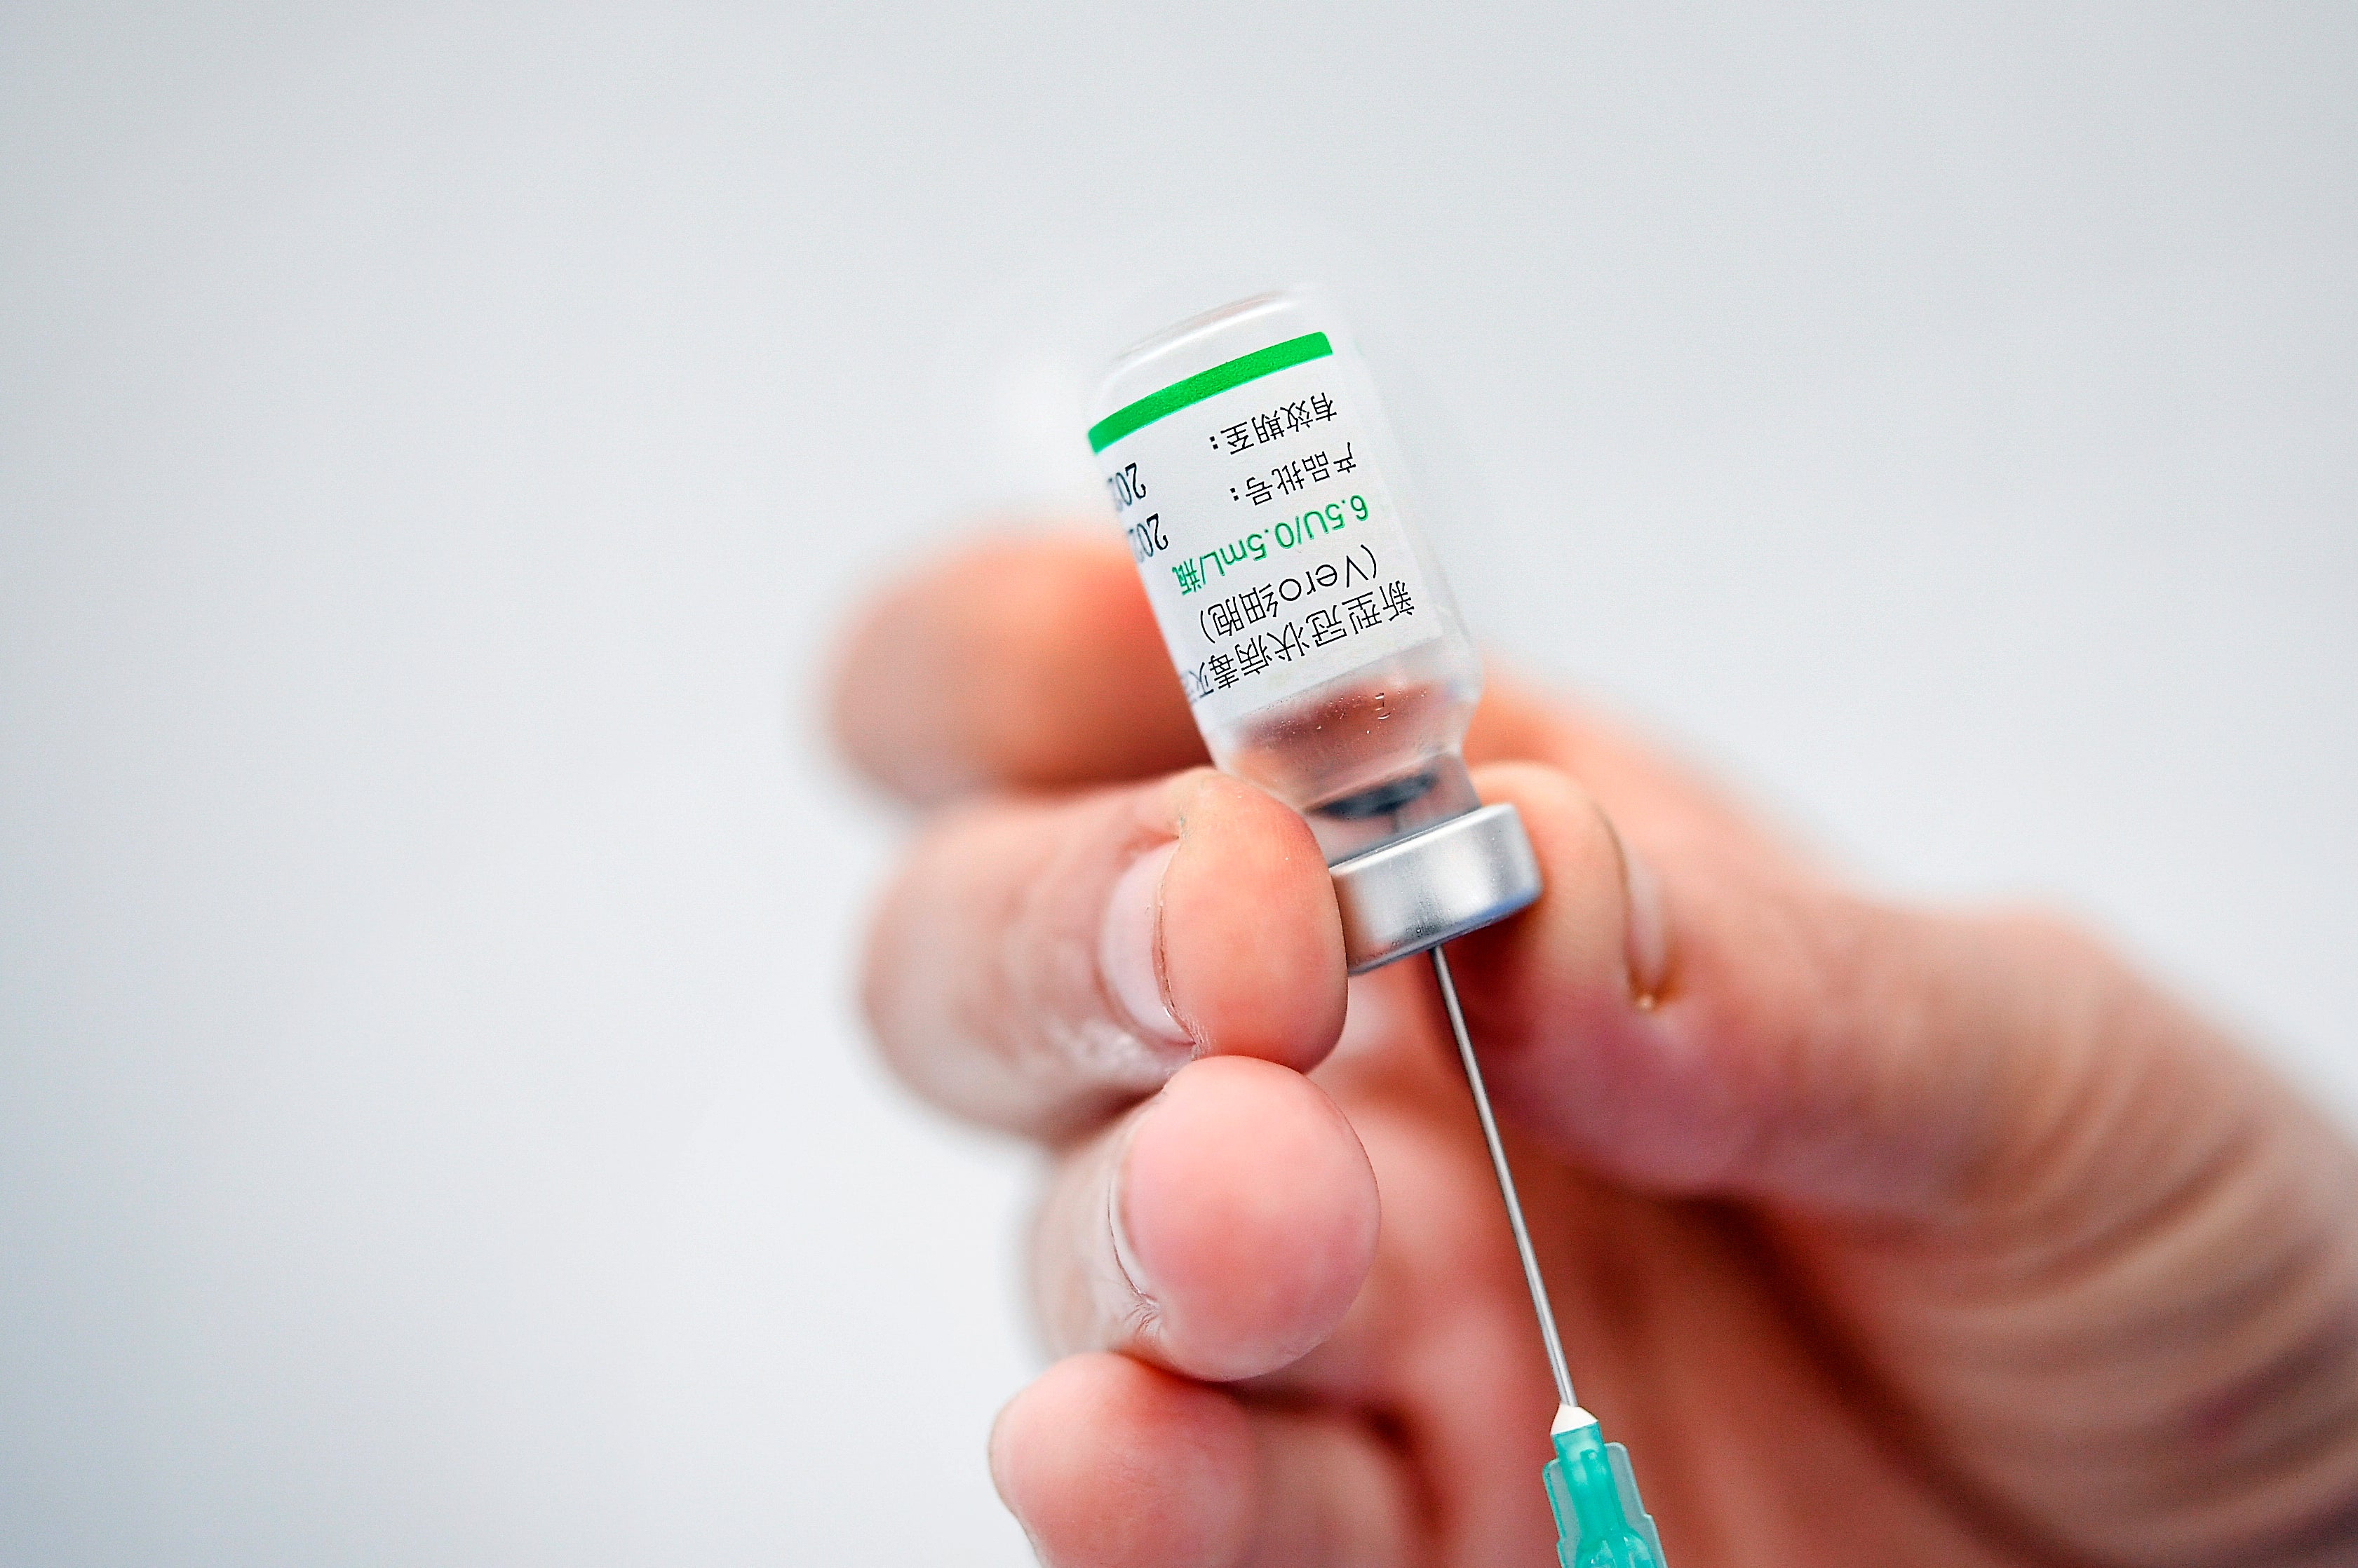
[[1130, 946], [991, 1457], [1125, 1257], [1649, 940], [997, 1459]]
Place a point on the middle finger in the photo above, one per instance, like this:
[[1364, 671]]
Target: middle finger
[[1222, 1228]]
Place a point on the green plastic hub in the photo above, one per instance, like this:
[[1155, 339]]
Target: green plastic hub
[[1599, 1521]]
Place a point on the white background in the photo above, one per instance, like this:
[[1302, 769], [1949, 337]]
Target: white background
[[435, 446]]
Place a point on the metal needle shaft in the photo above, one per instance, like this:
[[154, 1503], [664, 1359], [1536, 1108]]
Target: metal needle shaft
[[1506, 1183]]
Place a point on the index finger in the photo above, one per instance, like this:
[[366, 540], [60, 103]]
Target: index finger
[[1032, 662]]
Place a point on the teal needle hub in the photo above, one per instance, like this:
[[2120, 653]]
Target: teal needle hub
[[1599, 1521]]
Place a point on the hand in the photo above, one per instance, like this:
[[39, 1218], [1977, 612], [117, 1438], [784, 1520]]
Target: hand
[[1879, 1234]]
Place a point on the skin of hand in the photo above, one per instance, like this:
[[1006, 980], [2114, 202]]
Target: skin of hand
[[1880, 1234]]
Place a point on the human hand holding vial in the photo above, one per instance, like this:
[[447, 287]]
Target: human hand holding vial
[[1254, 477], [1886, 1234]]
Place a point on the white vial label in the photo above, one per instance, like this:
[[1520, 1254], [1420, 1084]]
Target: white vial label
[[1273, 550]]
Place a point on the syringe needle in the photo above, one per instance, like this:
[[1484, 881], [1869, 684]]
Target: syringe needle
[[1506, 1185]]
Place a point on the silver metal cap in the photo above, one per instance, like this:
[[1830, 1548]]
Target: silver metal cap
[[1420, 891]]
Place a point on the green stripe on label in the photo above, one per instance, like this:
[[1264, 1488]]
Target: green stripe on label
[[1207, 384]]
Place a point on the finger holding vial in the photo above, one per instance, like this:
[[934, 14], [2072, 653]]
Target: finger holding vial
[[1041, 964]]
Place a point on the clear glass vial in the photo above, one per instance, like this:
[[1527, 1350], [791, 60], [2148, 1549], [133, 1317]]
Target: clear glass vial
[[1257, 481], [1249, 461]]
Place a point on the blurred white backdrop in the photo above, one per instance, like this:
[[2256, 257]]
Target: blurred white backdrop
[[435, 446]]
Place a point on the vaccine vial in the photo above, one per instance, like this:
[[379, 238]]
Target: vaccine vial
[[1264, 501], [1257, 482]]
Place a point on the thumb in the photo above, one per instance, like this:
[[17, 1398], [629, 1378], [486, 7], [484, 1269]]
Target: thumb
[[1692, 1011]]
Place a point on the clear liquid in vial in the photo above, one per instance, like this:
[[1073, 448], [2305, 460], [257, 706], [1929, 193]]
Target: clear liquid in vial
[[1360, 733]]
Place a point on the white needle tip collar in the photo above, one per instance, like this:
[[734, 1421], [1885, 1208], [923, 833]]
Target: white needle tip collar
[[1569, 1418]]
